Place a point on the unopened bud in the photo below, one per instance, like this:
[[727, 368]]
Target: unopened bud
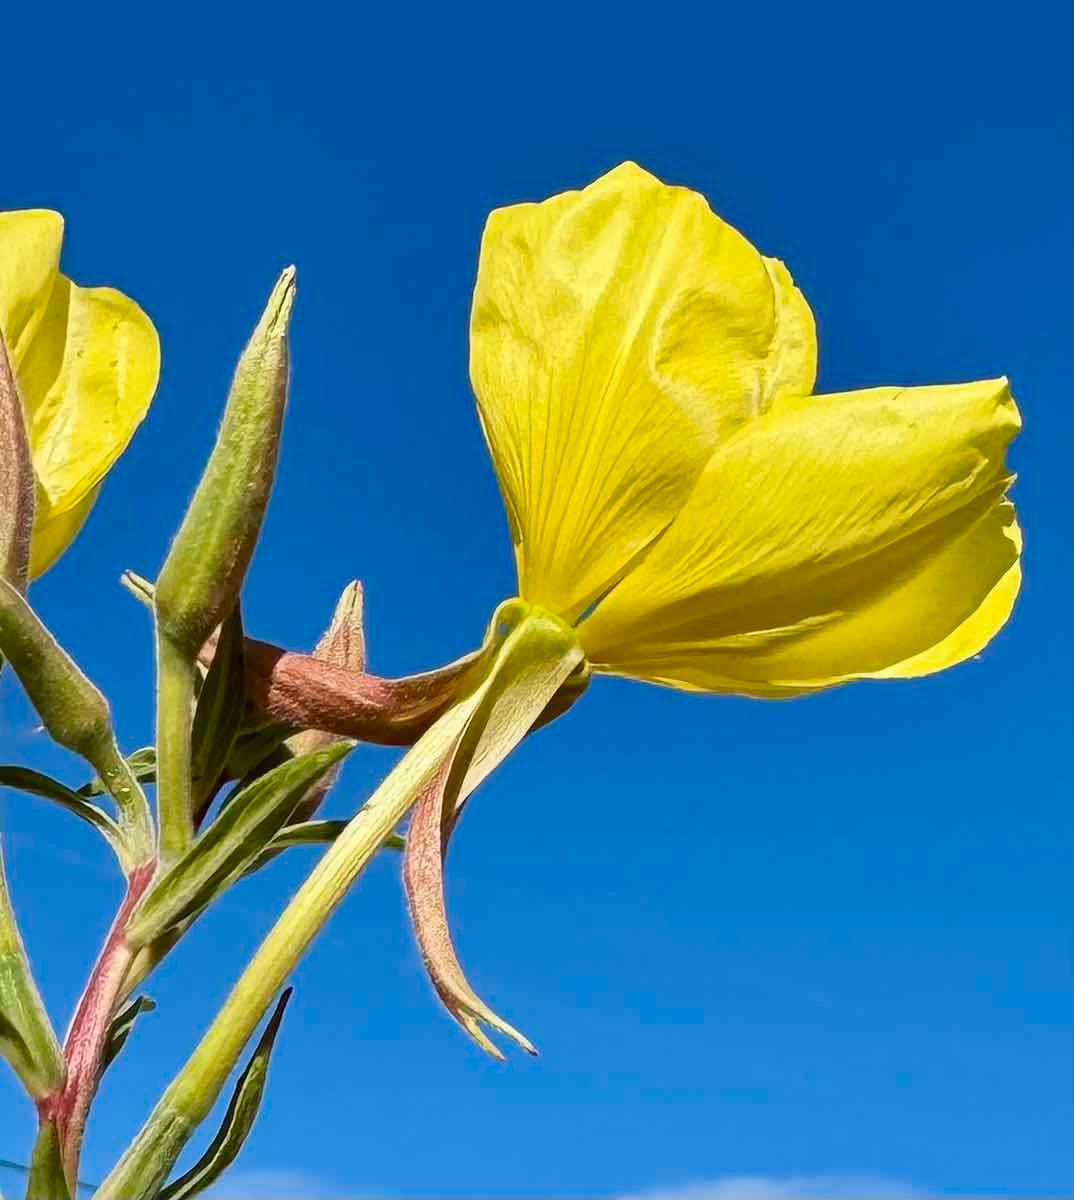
[[72, 710], [203, 573]]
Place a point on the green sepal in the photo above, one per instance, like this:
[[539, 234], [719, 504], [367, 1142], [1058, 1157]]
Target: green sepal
[[238, 1120], [47, 1180], [37, 784], [224, 850], [120, 1029], [219, 712], [143, 765]]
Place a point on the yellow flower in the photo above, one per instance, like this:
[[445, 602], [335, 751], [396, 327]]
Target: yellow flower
[[86, 361], [683, 510], [644, 381]]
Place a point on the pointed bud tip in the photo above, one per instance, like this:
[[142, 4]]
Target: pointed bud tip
[[278, 309]]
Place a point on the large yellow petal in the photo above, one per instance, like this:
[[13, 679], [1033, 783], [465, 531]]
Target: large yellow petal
[[836, 537], [55, 531], [87, 380], [618, 335], [29, 257]]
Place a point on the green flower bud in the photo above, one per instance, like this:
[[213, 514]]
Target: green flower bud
[[203, 573]]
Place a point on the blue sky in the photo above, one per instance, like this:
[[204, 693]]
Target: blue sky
[[841, 946]]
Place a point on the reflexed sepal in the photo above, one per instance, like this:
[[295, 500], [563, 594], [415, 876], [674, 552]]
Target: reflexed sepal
[[227, 847], [238, 1120], [538, 654]]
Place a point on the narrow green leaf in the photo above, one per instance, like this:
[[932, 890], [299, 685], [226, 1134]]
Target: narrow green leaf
[[143, 765], [47, 1180], [308, 833], [230, 843], [220, 710], [312, 833], [37, 784], [258, 748], [120, 1029], [238, 1119]]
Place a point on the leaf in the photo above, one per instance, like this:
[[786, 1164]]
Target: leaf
[[258, 748], [230, 843], [120, 1029], [219, 713], [238, 1120], [309, 833], [143, 765], [37, 784], [312, 833]]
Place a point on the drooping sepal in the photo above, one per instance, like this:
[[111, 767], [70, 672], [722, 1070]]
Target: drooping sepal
[[538, 654]]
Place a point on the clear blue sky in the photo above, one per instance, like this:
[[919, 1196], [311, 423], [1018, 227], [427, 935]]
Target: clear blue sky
[[842, 945]]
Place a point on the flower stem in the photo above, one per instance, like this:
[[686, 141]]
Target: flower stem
[[175, 711]]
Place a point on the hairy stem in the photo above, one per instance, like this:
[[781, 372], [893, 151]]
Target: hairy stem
[[135, 819], [175, 712], [89, 1027]]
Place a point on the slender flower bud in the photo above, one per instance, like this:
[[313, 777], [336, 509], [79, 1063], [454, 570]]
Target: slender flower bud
[[205, 567], [202, 576], [342, 645], [27, 1039], [73, 711], [71, 708], [16, 480]]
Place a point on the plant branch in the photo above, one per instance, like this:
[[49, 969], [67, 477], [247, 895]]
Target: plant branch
[[89, 1027]]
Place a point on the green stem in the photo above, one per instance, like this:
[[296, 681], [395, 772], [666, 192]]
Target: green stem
[[122, 785], [175, 714]]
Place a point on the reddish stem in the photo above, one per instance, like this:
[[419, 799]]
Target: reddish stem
[[88, 1032]]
